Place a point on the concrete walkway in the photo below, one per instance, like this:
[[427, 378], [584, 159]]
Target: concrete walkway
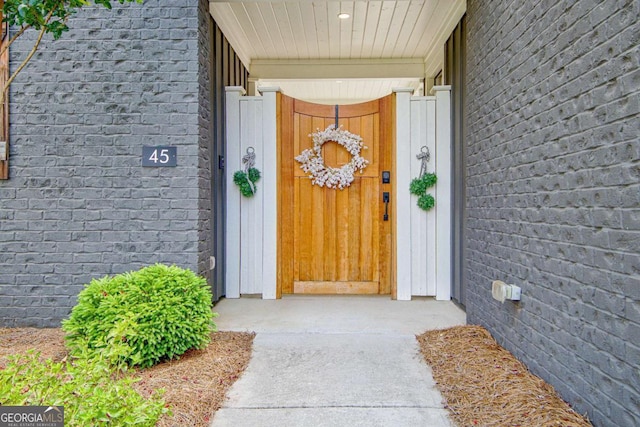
[[335, 361]]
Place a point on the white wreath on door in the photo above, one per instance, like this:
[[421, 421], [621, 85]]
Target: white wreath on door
[[326, 176]]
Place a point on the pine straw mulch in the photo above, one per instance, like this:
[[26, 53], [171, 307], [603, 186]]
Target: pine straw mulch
[[482, 383], [485, 385], [195, 385]]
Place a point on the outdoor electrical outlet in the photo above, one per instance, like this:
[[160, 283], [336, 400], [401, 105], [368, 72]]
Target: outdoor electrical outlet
[[502, 292]]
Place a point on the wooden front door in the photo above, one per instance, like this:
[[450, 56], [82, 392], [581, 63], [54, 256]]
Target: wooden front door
[[335, 241]]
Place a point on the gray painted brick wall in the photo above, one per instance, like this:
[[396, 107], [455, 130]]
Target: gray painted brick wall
[[554, 193], [79, 205], [205, 140]]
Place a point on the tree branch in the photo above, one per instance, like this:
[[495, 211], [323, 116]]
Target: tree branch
[[12, 39], [24, 63]]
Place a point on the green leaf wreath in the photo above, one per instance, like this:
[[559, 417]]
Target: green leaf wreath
[[247, 181], [419, 188]]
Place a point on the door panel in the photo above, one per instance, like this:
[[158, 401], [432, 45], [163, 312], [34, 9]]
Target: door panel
[[333, 241]]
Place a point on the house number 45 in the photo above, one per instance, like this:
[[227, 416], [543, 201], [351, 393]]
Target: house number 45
[[159, 156]]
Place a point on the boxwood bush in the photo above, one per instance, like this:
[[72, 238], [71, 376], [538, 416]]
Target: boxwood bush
[[142, 317]]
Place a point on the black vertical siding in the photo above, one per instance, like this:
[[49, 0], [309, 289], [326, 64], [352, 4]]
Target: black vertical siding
[[454, 75]]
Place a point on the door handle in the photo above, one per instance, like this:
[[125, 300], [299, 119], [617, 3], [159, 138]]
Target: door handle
[[385, 199]]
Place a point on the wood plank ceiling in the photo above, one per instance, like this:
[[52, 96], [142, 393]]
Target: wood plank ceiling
[[378, 38]]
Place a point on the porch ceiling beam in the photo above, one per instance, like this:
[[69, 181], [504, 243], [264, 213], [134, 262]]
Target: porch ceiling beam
[[337, 69]]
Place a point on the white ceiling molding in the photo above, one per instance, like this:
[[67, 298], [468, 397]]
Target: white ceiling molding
[[339, 69], [346, 91]]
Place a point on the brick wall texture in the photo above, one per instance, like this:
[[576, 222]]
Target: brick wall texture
[[553, 198], [79, 205], [205, 140]]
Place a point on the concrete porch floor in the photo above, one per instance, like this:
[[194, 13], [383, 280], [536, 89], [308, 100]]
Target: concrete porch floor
[[336, 314], [335, 361]]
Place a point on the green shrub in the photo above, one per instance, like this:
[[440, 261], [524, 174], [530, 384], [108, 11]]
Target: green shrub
[[91, 393], [143, 317]]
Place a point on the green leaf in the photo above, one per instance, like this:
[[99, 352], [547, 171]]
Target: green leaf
[[23, 9]]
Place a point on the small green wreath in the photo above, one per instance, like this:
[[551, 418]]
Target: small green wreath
[[419, 186], [247, 181]]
